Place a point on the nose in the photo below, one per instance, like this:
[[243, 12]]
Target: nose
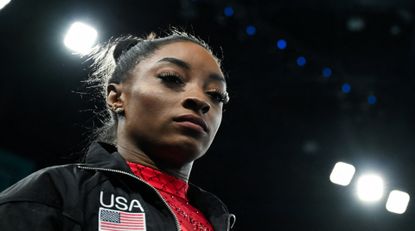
[[196, 104]]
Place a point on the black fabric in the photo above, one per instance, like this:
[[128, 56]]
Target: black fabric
[[69, 197]]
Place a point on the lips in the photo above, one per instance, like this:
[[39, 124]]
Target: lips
[[193, 119]]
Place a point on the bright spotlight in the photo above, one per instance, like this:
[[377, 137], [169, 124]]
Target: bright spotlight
[[342, 173], [370, 188], [3, 3], [397, 201], [80, 38]]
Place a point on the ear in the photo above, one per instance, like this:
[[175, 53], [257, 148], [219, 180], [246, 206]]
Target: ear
[[114, 99]]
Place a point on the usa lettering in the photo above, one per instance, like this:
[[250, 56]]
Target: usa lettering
[[119, 202]]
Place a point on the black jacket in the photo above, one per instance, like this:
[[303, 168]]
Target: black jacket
[[71, 197]]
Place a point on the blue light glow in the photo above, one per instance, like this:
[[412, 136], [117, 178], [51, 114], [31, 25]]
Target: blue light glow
[[228, 11], [301, 61], [346, 88], [327, 72], [281, 44], [250, 30], [371, 99]]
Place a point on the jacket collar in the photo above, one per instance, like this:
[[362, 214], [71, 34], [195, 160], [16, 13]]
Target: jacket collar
[[212, 207], [104, 155]]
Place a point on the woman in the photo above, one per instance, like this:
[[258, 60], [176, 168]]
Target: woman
[[165, 97]]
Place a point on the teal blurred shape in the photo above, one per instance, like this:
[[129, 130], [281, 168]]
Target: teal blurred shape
[[13, 168]]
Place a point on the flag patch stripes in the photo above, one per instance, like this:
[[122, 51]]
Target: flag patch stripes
[[116, 220]]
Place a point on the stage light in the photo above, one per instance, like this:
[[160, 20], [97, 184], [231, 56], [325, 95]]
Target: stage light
[[370, 188], [281, 44], [250, 30], [356, 24], [327, 72], [397, 202], [80, 38], [346, 88], [3, 3], [301, 61], [342, 173], [395, 30], [371, 99], [228, 11]]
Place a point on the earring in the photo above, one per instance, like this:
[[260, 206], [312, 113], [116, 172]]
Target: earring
[[119, 110]]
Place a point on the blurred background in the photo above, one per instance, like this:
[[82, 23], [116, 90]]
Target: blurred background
[[312, 83]]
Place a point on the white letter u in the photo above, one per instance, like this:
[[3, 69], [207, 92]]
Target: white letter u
[[101, 200]]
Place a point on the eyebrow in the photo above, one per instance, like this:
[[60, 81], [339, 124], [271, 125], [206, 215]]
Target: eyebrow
[[217, 78], [185, 65], [176, 62]]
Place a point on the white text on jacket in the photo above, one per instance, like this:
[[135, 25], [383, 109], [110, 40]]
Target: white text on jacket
[[121, 203]]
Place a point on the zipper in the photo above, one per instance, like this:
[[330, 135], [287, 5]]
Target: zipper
[[231, 220], [134, 176]]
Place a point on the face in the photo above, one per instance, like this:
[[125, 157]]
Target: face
[[173, 103]]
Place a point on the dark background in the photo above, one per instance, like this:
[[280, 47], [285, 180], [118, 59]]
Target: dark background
[[285, 127]]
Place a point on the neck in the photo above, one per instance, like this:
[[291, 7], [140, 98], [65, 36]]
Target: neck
[[134, 154]]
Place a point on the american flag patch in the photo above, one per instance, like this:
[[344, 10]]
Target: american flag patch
[[115, 220]]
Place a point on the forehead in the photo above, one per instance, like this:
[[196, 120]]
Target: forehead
[[193, 54]]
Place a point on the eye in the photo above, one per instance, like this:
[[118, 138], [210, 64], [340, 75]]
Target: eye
[[218, 96], [171, 78]]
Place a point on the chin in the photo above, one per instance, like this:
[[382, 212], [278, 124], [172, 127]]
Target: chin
[[182, 151]]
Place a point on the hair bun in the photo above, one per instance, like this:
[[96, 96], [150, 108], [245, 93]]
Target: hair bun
[[123, 46]]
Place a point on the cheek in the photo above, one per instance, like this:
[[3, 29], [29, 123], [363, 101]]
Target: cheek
[[216, 121], [146, 115], [149, 104]]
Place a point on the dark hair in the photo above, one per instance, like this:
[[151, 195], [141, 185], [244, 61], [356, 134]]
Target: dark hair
[[111, 63]]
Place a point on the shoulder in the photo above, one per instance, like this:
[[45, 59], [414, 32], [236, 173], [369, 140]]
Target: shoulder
[[44, 200], [47, 185]]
